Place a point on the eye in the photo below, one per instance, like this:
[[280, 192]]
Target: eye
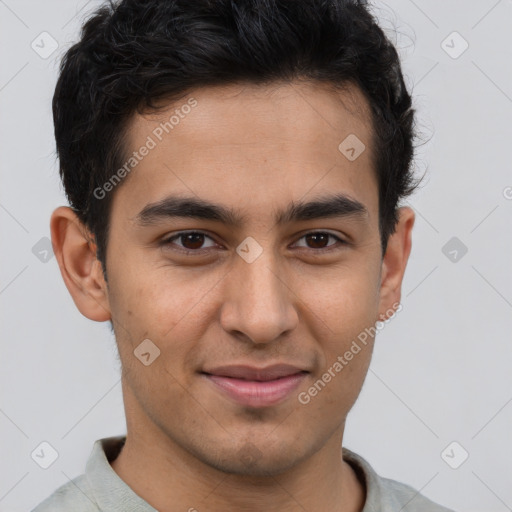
[[319, 239], [191, 241]]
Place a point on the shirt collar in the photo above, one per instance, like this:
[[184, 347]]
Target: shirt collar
[[375, 497], [111, 493]]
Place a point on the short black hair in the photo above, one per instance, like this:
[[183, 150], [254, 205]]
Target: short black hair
[[134, 53]]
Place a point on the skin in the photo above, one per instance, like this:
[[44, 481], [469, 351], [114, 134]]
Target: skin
[[187, 444]]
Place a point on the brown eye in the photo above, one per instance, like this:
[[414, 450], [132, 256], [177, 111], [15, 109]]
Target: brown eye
[[319, 240], [190, 241]]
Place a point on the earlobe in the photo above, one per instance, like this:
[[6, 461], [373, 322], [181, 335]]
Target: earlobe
[[395, 261], [75, 252]]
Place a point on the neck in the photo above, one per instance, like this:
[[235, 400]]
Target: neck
[[170, 478]]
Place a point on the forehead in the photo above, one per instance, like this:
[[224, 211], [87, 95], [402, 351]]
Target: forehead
[[251, 113], [247, 144]]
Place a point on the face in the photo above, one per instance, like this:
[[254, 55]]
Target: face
[[257, 284]]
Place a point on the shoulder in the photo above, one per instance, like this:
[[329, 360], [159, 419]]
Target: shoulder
[[387, 495], [74, 495], [398, 494]]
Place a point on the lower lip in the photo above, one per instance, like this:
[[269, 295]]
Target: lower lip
[[257, 393]]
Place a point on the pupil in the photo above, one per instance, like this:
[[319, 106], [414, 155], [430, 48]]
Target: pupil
[[317, 236], [198, 237]]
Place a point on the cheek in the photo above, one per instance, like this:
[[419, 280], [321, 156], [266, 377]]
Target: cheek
[[149, 307], [345, 314], [332, 392], [169, 306], [345, 307], [158, 299], [344, 300]]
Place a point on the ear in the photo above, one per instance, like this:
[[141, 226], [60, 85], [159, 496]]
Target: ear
[[394, 263], [75, 252]]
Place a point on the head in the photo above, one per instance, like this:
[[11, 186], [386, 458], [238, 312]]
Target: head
[[281, 134]]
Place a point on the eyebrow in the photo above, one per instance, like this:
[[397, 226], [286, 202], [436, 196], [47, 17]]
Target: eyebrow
[[337, 205]]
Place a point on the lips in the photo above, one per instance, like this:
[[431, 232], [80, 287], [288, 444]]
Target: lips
[[245, 372], [256, 387]]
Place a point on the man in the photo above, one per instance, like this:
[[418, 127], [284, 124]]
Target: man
[[234, 171]]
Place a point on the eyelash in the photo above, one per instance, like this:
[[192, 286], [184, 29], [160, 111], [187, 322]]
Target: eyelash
[[195, 252]]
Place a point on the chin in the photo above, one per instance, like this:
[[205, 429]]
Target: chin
[[262, 460]]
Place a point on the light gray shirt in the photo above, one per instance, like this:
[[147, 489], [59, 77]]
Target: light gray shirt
[[101, 489]]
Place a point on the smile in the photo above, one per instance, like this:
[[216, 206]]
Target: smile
[[256, 393]]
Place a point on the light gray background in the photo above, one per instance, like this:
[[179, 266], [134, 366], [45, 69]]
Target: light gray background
[[441, 369]]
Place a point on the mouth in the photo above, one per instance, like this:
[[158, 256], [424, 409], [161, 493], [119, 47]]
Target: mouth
[[256, 387]]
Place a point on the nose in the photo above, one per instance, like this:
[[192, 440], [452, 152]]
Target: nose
[[259, 302]]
